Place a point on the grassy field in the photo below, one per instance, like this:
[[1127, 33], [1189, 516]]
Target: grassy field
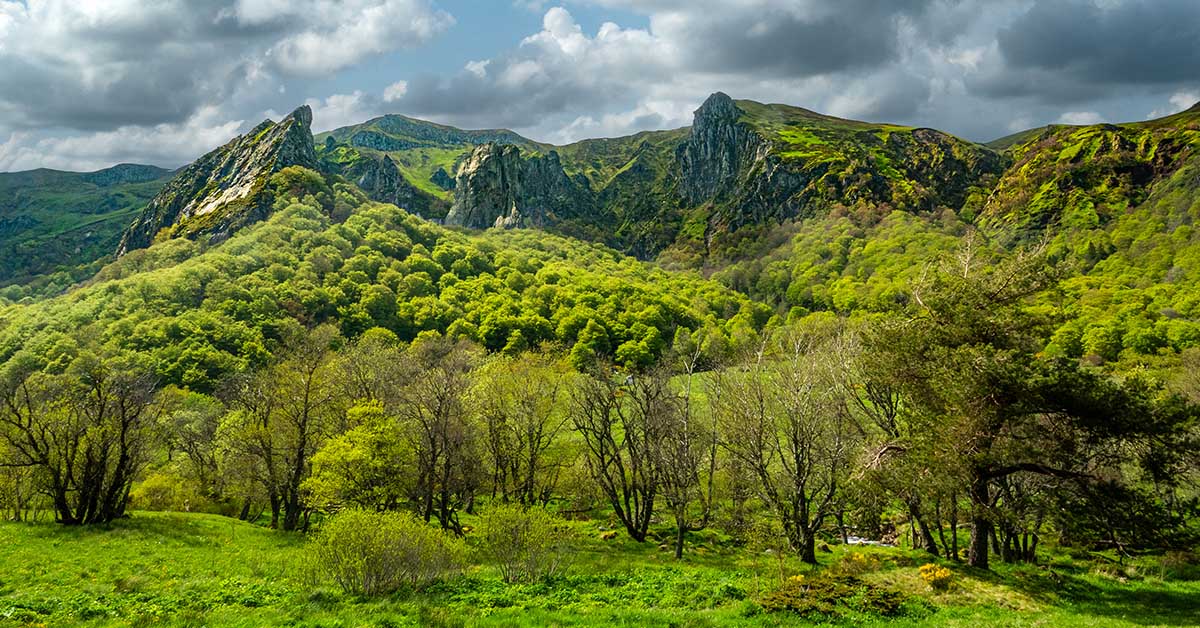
[[203, 570]]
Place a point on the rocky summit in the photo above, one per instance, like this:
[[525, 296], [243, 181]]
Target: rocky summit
[[227, 187]]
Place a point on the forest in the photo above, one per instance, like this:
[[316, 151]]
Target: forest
[[415, 404]]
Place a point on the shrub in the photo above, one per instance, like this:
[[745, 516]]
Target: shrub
[[527, 544], [937, 577], [831, 595], [371, 553]]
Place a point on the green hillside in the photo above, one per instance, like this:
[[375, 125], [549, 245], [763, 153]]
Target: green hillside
[[200, 315], [62, 222]]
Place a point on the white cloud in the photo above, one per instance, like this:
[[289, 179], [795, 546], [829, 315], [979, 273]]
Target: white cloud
[[395, 91], [337, 34], [162, 144], [1177, 102], [339, 110], [478, 68], [1080, 118]]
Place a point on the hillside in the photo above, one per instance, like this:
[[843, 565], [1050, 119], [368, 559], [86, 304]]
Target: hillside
[[201, 314], [53, 221], [799, 210]]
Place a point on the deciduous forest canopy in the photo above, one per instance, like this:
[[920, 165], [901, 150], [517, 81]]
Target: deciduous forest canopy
[[772, 368]]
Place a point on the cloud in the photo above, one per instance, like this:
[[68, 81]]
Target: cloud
[[103, 64], [1177, 102], [395, 91], [337, 34], [341, 110], [167, 144], [562, 83], [73, 72], [1074, 50], [1080, 118]]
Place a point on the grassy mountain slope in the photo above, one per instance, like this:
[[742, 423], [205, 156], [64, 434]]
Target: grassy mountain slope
[[198, 314], [420, 150], [1080, 177], [186, 569], [53, 221]]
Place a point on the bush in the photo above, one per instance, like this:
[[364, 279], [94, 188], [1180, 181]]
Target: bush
[[371, 553], [937, 577], [832, 595], [527, 544]]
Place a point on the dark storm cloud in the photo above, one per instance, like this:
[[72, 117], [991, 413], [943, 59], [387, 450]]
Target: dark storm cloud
[[1075, 50], [780, 41], [109, 63]]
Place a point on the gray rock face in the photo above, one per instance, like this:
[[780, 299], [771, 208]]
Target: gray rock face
[[383, 182], [496, 187], [227, 188], [726, 162], [719, 150], [442, 179]]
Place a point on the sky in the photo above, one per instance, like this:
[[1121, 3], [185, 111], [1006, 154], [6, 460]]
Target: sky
[[85, 85]]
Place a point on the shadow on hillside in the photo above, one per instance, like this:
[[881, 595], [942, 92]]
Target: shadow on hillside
[[1137, 602]]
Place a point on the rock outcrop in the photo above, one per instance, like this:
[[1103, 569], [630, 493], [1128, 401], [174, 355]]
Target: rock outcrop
[[719, 152], [442, 179], [383, 182], [771, 162], [497, 187], [227, 188]]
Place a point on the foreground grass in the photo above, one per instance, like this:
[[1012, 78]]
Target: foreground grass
[[201, 570]]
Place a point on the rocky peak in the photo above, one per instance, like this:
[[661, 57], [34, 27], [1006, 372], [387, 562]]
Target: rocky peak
[[227, 187], [718, 150], [717, 108], [497, 187]]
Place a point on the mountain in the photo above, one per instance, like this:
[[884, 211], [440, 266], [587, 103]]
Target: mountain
[[740, 164], [226, 188], [801, 211], [1086, 176], [407, 162], [54, 221]]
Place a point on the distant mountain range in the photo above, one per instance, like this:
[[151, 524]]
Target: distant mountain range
[[686, 192]]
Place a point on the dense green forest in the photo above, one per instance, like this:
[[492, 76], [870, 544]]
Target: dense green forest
[[841, 372], [424, 403]]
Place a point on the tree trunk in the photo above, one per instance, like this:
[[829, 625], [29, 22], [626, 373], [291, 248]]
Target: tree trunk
[[981, 525], [808, 546], [926, 536], [680, 531]]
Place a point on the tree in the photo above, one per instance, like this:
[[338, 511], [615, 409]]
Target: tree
[[85, 432], [987, 401], [517, 400], [283, 415], [784, 418], [432, 409], [621, 420]]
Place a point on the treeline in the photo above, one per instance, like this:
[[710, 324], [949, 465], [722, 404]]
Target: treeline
[[944, 418]]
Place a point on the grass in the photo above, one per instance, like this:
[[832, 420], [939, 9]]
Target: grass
[[203, 570]]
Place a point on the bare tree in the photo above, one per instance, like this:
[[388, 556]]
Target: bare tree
[[784, 418], [620, 419], [85, 432]]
